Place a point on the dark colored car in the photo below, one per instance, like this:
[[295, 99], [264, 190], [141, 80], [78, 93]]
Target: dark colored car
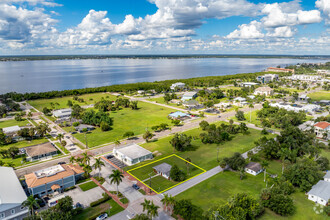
[[136, 187], [61, 163]]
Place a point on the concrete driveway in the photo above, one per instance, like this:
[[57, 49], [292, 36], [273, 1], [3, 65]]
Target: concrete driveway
[[85, 198]]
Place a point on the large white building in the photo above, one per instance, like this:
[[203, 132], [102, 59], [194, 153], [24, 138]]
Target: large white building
[[178, 85], [11, 196], [189, 96], [62, 113], [320, 192], [11, 130], [132, 154], [267, 91], [297, 108], [267, 78]]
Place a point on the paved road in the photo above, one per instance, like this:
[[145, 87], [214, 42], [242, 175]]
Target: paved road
[[194, 181]]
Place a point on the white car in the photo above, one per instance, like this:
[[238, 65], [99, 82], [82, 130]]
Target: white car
[[102, 217]]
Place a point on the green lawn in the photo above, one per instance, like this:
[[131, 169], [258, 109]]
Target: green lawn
[[87, 186], [160, 183], [161, 101], [127, 119], [317, 96], [217, 190], [25, 143], [107, 206], [62, 148], [9, 123], [41, 103], [205, 155]]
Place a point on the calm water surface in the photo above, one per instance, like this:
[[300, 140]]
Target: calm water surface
[[46, 75]]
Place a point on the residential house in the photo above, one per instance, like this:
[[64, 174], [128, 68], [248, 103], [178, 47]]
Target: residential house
[[267, 78], [53, 179], [80, 128], [324, 102], [179, 115], [253, 168], [163, 169], [240, 101], [249, 84], [189, 96], [320, 192], [310, 78], [274, 69], [132, 154], [62, 113], [190, 104], [12, 196], [40, 151], [303, 98], [267, 91], [11, 131], [321, 128], [222, 105], [297, 108], [178, 85]]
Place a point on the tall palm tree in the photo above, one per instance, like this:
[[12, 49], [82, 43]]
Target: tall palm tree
[[59, 137], [165, 201], [86, 158], [145, 205], [171, 203], [264, 165], [116, 178], [30, 203], [251, 107], [153, 210], [98, 165], [88, 169], [72, 159], [284, 153]]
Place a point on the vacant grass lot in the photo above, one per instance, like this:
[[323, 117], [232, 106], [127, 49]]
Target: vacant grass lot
[[205, 155], [9, 123], [160, 183], [88, 99], [161, 101], [127, 119], [217, 190], [87, 186], [317, 96]]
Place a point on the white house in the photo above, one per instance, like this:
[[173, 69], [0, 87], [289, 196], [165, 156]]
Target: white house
[[189, 96], [222, 105], [11, 130], [322, 128], [253, 168], [163, 170], [132, 154], [178, 85], [62, 113], [249, 84], [267, 91], [320, 192]]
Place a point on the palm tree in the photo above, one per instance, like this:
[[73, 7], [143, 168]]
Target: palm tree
[[116, 178], [72, 159], [264, 165], [59, 137], [31, 202], [284, 153], [168, 202], [188, 160], [145, 205], [153, 210], [98, 164], [86, 158], [42, 129], [30, 114], [85, 130], [117, 142], [88, 169], [251, 107]]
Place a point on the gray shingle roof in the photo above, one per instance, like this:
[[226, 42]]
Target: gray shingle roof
[[321, 190], [164, 168], [254, 166]]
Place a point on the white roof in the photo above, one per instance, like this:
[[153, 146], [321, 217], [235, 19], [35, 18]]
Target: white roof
[[240, 99], [11, 191], [62, 112], [250, 83], [321, 190], [189, 94], [11, 129], [178, 84], [133, 151]]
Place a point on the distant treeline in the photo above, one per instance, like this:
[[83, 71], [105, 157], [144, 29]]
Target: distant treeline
[[158, 86], [72, 57]]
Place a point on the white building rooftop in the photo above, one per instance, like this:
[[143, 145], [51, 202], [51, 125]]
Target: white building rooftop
[[50, 171], [133, 151], [11, 129]]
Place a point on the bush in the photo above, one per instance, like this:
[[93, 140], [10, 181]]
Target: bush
[[280, 204], [124, 200], [240, 115], [236, 161], [104, 126], [105, 198], [70, 188], [75, 124]]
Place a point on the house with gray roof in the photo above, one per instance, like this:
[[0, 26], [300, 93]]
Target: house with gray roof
[[253, 168], [11, 130], [163, 169], [81, 127], [320, 192], [132, 154], [11, 196]]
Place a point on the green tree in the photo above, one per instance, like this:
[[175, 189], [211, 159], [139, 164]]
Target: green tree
[[240, 115], [176, 174], [251, 107], [187, 210], [30, 203], [104, 126], [116, 178], [148, 135], [181, 142], [60, 136], [128, 134], [98, 165]]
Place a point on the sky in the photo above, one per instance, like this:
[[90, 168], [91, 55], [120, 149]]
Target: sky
[[45, 27]]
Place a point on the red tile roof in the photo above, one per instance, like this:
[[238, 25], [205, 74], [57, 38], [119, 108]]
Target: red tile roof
[[322, 124]]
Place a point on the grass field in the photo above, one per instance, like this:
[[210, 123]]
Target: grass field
[[110, 207], [161, 101], [62, 148], [13, 122], [205, 155], [127, 120], [25, 143], [317, 96], [159, 183], [88, 99], [87, 186], [219, 188]]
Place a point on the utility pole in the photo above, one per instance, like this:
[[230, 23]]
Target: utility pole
[[218, 154]]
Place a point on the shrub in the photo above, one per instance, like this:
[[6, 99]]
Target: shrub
[[75, 124], [105, 198], [124, 200], [104, 126]]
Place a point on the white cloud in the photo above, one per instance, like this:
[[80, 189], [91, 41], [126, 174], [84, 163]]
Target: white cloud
[[247, 31], [284, 31], [324, 6], [49, 3]]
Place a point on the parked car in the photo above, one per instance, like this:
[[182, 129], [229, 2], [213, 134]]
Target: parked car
[[103, 216], [62, 162], [136, 187]]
